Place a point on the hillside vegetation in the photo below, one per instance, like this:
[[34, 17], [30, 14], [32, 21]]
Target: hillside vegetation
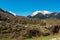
[[21, 28]]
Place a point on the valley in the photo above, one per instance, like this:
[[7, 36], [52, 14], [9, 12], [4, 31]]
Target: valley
[[14, 27]]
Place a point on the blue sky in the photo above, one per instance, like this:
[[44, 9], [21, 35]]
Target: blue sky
[[26, 7]]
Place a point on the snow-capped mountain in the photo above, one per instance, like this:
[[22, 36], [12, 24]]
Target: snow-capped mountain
[[44, 14], [38, 12], [7, 12]]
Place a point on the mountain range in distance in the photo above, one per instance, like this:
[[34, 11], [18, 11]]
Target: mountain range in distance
[[44, 15], [37, 14]]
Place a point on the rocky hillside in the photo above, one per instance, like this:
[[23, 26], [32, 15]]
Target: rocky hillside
[[20, 27], [9, 17]]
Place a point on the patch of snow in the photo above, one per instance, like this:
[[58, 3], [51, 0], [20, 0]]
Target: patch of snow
[[43, 12], [34, 13], [12, 13], [46, 12]]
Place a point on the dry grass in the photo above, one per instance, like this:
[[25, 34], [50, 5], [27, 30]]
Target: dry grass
[[44, 37]]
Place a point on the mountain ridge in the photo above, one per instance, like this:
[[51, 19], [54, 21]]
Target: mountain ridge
[[8, 12], [44, 15]]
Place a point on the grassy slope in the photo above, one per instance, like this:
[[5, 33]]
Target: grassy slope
[[44, 38]]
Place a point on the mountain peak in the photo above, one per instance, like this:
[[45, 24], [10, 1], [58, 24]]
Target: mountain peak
[[43, 12], [34, 13], [9, 12]]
